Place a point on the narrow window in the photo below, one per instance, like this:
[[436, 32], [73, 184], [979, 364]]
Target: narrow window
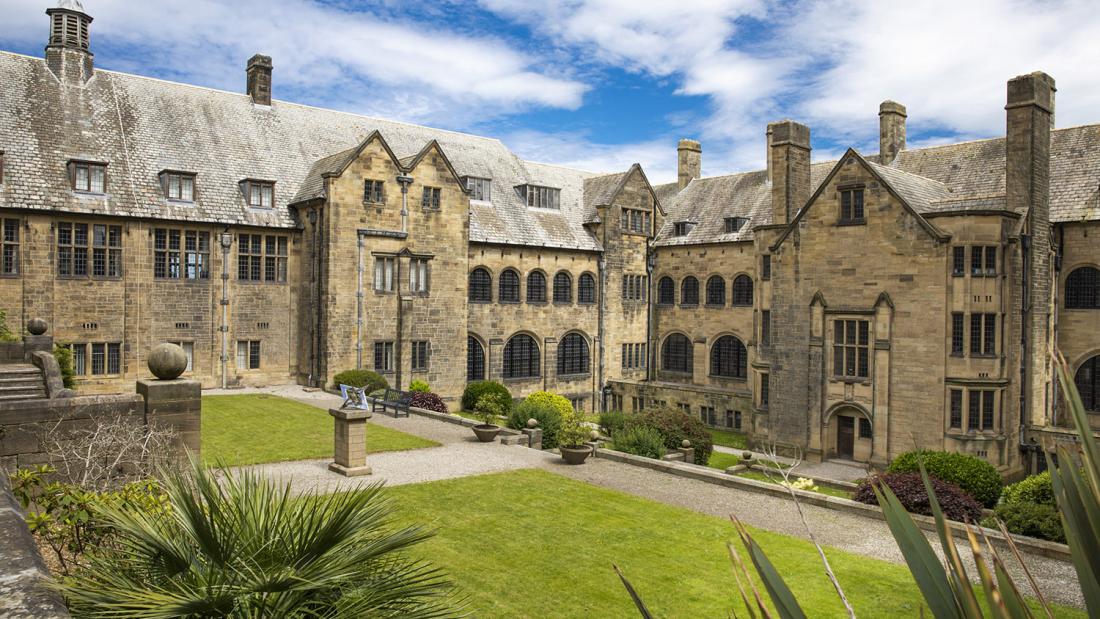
[[521, 357], [383, 357], [976, 259], [1087, 381], [865, 428], [974, 416], [418, 275], [955, 420], [509, 287], [420, 350], [480, 287], [987, 410], [991, 261], [372, 191], [742, 291], [689, 291], [766, 267], [851, 348], [983, 332], [384, 273], [586, 289], [957, 336], [563, 288], [475, 359], [666, 291], [275, 259], [765, 327], [197, 255], [573, 358], [250, 251], [716, 291], [248, 354], [851, 206], [430, 198], [536, 287], [765, 388], [11, 247], [958, 261]]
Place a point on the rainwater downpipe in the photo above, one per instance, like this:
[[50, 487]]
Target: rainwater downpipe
[[397, 361], [226, 243], [359, 304]]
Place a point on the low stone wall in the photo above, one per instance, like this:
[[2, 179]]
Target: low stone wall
[[22, 571]]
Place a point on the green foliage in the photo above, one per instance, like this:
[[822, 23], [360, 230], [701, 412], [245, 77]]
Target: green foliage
[[377, 393], [548, 416], [1031, 519], [611, 422], [674, 426], [975, 476], [478, 388], [640, 441], [64, 358], [574, 432], [563, 405], [419, 386], [66, 518], [239, 544], [489, 407], [5, 332], [361, 378], [1033, 489]]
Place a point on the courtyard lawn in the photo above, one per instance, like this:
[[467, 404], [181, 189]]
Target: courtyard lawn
[[257, 428], [775, 478], [728, 438], [722, 461], [531, 543]]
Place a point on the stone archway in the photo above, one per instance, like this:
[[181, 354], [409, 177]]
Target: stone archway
[[848, 434]]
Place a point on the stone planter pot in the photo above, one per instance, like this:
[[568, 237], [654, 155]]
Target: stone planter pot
[[486, 433], [575, 455]]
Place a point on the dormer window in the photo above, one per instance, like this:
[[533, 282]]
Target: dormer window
[[179, 186], [88, 177], [734, 224], [480, 188], [258, 194], [541, 197], [682, 228]]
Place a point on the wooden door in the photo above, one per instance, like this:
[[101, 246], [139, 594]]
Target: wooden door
[[845, 436]]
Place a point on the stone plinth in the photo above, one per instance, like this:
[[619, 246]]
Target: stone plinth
[[534, 437], [350, 442], [175, 404], [689, 454]]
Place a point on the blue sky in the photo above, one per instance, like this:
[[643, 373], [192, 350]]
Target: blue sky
[[600, 84]]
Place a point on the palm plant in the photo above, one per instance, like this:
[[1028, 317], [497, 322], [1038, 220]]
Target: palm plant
[[244, 546], [945, 585]]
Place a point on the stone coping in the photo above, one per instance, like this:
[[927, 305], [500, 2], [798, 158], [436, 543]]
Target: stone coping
[[1040, 547], [23, 573]]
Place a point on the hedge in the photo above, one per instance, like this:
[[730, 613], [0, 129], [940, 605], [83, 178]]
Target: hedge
[[360, 378], [563, 406], [1031, 519], [1035, 489], [548, 416], [641, 441], [611, 422], [674, 426], [909, 488], [428, 401], [478, 388], [974, 475]]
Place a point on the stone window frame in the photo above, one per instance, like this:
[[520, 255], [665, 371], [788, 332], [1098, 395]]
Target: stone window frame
[[712, 291], [740, 283], [689, 291], [851, 358], [420, 275], [108, 253], [682, 228], [541, 196], [728, 358], [480, 188], [475, 290], [263, 258], [864, 428], [852, 205], [84, 354], [374, 191], [766, 267], [1082, 282], [170, 179], [505, 280], [524, 363], [384, 360], [676, 356], [421, 355], [983, 334], [983, 260], [186, 260], [764, 394], [255, 188], [666, 288], [379, 283], [765, 327], [958, 261], [955, 407], [1087, 380], [90, 168], [574, 356], [734, 224], [431, 198], [563, 288], [536, 290], [634, 221], [475, 359], [253, 352], [634, 356], [958, 334], [586, 289], [981, 413], [10, 247]]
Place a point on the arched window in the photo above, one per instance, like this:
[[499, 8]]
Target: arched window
[[1083, 289], [536, 287], [573, 355], [1088, 384], [586, 288], [481, 286], [689, 291], [728, 358], [563, 288], [509, 287], [676, 354], [666, 291], [742, 290], [475, 359], [521, 357], [716, 290]]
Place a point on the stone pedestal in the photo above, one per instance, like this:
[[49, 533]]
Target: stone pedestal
[[534, 437], [176, 404], [32, 343], [689, 454], [350, 442]]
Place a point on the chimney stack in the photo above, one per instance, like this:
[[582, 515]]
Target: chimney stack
[[891, 131], [68, 53], [789, 163], [259, 79], [689, 161]]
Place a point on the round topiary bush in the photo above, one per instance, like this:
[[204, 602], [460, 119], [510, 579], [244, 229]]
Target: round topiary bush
[[419, 386], [1031, 519], [563, 405], [360, 378], [478, 388], [641, 441], [909, 488], [547, 415], [974, 475], [428, 401], [674, 426], [611, 422], [1034, 489]]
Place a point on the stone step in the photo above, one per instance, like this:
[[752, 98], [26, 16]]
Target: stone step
[[19, 370], [21, 379], [31, 389], [20, 398]]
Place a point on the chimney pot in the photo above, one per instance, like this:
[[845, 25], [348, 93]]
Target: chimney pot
[[259, 79], [891, 131], [689, 157], [789, 163]]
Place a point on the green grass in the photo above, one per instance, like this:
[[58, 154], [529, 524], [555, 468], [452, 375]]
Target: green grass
[[501, 421], [774, 479], [723, 461], [728, 438], [533, 544], [256, 428]]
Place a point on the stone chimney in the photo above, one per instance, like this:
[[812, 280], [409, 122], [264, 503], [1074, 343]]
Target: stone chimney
[[68, 53], [789, 162], [768, 151], [259, 79], [1029, 114], [689, 161], [891, 131]]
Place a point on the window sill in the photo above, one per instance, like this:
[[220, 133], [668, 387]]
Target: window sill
[[520, 379], [1081, 309], [530, 302], [179, 201], [259, 282], [851, 222], [586, 303], [100, 278], [10, 275], [689, 305], [851, 379], [419, 370], [563, 303], [261, 208], [478, 302], [89, 194], [503, 302], [739, 379], [715, 306], [749, 305], [983, 356], [574, 376], [186, 280]]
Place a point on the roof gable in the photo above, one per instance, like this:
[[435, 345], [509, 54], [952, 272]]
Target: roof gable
[[429, 147]]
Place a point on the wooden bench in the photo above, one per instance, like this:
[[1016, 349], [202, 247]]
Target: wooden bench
[[398, 401]]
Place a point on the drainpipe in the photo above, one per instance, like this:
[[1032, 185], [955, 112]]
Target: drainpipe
[[314, 250], [650, 266], [601, 266], [405, 182], [226, 242], [359, 304]]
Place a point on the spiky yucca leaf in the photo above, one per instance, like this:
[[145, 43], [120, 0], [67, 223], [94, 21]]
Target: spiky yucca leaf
[[244, 546]]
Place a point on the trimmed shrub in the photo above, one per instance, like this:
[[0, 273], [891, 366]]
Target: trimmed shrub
[[548, 416], [428, 401], [974, 475], [611, 422], [377, 393], [1031, 519], [674, 426], [1034, 489], [64, 358], [641, 441], [360, 378], [563, 405], [419, 386], [909, 488], [478, 388]]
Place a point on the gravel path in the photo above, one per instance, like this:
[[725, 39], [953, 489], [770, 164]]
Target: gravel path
[[461, 455]]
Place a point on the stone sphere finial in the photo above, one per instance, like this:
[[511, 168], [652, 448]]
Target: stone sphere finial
[[593, 435], [167, 361], [532, 423], [37, 326], [685, 443]]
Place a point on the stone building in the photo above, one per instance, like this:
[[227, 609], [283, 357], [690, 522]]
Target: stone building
[[852, 308]]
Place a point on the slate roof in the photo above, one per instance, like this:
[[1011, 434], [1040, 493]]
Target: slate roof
[[968, 176], [141, 126]]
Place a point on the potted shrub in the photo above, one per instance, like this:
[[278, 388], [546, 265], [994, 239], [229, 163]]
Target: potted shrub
[[488, 408], [572, 437]]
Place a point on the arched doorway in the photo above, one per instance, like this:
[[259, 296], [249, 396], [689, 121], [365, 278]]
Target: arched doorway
[[850, 434]]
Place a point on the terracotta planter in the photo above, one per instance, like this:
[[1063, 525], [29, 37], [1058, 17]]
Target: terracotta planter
[[574, 455], [486, 433]]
